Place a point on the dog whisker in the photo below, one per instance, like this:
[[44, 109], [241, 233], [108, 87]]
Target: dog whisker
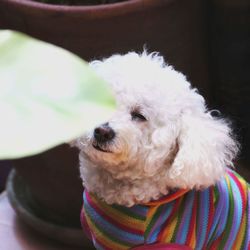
[[84, 144]]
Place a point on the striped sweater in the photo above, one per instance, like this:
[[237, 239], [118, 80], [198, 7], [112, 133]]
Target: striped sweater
[[214, 218]]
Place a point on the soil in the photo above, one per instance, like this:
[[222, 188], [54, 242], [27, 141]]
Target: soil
[[79, 2]]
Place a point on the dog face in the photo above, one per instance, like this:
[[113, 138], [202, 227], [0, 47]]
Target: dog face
[[135, 138], [142, 133], [161, 126]]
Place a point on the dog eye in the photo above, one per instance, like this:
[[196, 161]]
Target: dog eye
[[136, 116]]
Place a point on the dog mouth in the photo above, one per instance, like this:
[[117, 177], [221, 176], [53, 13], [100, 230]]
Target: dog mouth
[[100, 148]]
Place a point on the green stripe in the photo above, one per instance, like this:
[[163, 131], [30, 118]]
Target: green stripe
[[230, 218], [180, 215], [128, 212], [155, 217], [244, 243], [216, 196]]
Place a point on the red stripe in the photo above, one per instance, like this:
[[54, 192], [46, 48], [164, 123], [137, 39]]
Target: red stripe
[[211, 212], [192, 222], [216, 243], [111, 220], [242, 193], [168, 198], [162, 246], [85, 225]]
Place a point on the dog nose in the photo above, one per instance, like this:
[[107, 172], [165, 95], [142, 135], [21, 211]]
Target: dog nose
[[104, 133]]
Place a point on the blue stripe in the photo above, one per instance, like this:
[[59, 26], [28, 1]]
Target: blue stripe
[[108, 228], [167, 209], [224, 195], [182, 233], [139, 210], [236, 216], [203, 206], [219, 209]]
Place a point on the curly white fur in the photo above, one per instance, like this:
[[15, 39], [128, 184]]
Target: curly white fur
[[180, 145]]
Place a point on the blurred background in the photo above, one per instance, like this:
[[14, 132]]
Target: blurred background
[[207, 40]]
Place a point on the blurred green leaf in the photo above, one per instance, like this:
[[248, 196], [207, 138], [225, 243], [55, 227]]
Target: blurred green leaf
[[48, 96]]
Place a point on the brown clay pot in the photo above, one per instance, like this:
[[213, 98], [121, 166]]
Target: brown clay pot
[[175, 28]]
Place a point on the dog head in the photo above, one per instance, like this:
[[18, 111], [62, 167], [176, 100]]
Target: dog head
[[161, 126]]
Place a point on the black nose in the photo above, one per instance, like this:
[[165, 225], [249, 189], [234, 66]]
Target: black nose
[[104, 133]]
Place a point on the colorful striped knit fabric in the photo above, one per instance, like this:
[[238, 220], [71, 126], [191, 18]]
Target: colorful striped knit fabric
[[215, 218]]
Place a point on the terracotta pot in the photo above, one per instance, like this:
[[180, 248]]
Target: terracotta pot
[[176, 28], [55, 185]]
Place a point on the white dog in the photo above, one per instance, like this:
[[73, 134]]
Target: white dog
[[161, 148]]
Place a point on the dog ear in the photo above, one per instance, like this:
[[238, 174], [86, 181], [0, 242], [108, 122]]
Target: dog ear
[[206, 147]]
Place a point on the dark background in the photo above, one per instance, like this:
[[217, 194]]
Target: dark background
[[220, 51]]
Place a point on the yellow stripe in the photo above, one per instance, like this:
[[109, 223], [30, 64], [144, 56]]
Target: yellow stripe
[[241, 233], [227, 181], [150, 214], [193, 237], [169, 230], [243, 184]]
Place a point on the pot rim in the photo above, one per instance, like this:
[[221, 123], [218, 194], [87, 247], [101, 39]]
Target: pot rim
[[110, 9], [19, 199]]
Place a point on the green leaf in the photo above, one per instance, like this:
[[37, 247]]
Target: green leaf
[[48, 96]]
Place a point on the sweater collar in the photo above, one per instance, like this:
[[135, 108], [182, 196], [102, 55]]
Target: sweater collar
[[168, 198], [163, 200]]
